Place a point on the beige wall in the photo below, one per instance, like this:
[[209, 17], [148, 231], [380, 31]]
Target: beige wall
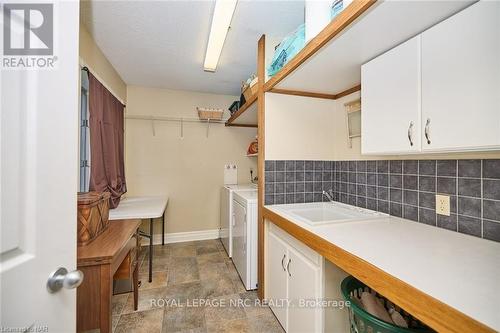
[[92, 57], [299, 128], [344, 152], [189, 170]]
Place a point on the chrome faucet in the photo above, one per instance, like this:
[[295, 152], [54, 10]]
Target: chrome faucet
[[329, 195]]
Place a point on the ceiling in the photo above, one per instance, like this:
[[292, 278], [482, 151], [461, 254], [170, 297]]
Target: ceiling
[[162, 43]]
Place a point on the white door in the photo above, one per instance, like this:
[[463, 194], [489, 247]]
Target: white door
[[239, 239], [461, 80], [303, 284], [390, 93], [39, 133], [276, 276]]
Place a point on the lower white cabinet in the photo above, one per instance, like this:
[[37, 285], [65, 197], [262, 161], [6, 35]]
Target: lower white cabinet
[[304, 283], [295, 274], [297, 277], [277, 277]]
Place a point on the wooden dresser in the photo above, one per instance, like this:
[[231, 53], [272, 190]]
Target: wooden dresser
[[114, 253]]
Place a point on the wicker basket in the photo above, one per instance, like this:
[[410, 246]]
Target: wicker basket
[[212, 114], [93, 214]]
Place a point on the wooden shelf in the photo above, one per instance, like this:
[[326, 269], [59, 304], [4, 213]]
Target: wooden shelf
[[331, 62], [246, 116]]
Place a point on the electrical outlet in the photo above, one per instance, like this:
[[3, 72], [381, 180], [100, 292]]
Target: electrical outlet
[[443, 204]]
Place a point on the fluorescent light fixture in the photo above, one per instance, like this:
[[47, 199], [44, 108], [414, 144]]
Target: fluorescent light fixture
[[223, 13]]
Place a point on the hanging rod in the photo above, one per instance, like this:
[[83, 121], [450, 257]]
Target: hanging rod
[[176, 119], [86, 69]]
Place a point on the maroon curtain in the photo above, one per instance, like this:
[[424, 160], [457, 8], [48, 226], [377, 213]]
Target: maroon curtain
[[107, 171]]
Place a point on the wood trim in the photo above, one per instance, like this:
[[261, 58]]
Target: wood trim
[[348, 91], [316, 95], [261, 74], [245, 107], [342, 21], [242, 125], [429, 310], [302, 93]]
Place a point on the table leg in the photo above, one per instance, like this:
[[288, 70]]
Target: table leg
[[135, 279], [150, 250], [163, 229]]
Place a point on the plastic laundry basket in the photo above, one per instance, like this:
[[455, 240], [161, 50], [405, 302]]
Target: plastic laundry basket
[[363, 322], [287, 49]]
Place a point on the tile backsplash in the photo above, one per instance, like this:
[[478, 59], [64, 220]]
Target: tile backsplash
[[400, 188], [297, 181]]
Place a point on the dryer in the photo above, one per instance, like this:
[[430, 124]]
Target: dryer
[[245, 237], [226, 213]]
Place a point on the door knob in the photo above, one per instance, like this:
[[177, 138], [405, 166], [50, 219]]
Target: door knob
[[61, 278]]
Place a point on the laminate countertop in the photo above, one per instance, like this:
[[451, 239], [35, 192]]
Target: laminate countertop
[[147, 207], [461, 271]]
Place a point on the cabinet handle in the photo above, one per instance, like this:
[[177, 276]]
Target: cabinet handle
[[288, 267], [283, 263], [427, 131], [410, 133]]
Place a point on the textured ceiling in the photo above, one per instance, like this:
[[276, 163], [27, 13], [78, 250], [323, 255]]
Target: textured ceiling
[[163, 43]]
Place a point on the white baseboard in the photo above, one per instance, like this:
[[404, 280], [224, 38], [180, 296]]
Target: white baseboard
[[178, 237]]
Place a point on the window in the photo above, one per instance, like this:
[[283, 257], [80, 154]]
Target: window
[[84, 133]]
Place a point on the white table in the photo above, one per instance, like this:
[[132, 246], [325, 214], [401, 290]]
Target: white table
[[147, 207]]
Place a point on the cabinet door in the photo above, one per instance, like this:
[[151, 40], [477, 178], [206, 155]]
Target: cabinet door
[[461, 80], [303, 284], [277, 277], [390, 99]]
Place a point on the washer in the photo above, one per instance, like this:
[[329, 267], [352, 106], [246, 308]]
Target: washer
[[226, 213], [245, 237]]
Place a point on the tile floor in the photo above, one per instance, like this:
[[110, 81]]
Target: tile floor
[[184, 272]]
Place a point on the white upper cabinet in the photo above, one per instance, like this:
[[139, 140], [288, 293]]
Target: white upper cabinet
[[390, 99], [461, 80], [445, 81]]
